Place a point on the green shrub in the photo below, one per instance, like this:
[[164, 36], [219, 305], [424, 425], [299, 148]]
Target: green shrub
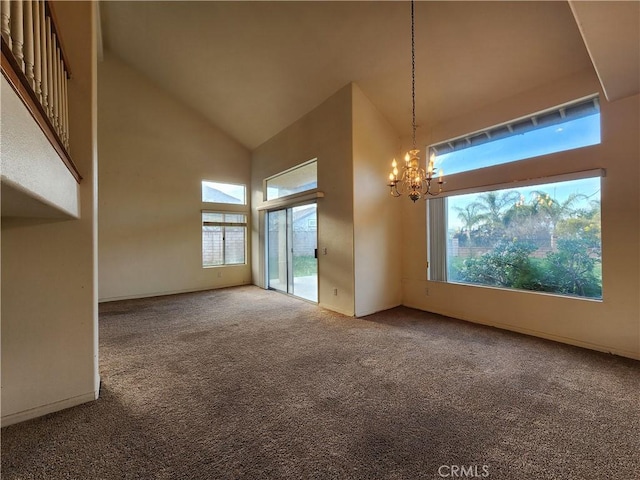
[[571, 270], [507, 265]]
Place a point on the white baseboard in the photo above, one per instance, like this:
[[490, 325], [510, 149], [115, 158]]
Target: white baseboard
[[49, 408], [536, 333], [170, 292]]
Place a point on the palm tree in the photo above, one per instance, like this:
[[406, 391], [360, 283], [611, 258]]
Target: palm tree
[[554, 211], [492, 204], [470, 216]]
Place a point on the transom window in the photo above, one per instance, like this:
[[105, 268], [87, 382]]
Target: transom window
[[296, 180], [215, 192], [562, 128]]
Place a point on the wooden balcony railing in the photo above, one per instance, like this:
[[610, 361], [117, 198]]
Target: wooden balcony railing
[[34, 63]]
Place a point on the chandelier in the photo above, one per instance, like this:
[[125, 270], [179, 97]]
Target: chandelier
[[415, 181]]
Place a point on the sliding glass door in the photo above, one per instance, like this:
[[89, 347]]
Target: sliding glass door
[[292, 262], [304, 243], [278, 251]]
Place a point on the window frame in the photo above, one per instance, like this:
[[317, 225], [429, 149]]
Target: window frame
[[224, 226], [531, 171], [288, 171], [438, 243], [241, 203]]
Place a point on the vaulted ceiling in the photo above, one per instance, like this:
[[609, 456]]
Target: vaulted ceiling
[[253, 68]]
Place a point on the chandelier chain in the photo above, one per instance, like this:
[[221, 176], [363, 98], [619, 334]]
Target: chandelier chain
[[412, 179], [413, 77]]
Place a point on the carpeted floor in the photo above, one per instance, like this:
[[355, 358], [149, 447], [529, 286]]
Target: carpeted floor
[[247, 383]]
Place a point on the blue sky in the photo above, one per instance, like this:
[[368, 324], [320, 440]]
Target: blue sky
[[580, 132]]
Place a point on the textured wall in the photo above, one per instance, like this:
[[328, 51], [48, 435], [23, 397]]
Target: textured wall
[[30, 163], [154, 153], [49, 278]]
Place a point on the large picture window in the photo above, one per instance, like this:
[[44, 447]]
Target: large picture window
[[543, 238], [224, 238], [539, 235]]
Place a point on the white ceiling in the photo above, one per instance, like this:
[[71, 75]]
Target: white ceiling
[[253, 68]]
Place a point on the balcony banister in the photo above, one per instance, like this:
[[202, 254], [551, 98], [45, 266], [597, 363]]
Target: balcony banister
[[34, 63]]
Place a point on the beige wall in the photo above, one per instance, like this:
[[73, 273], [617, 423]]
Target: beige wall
[[31, 166], [612, 325], [325, 134], [376, 215], [154, 152], [49, 309]]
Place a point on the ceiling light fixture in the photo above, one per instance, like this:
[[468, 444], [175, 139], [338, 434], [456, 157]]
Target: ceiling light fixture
[[415, 181]]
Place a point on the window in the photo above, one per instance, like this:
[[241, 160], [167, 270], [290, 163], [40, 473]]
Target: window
[[563, 128], [296, 180], [215, 192], [540, 235], [224, 238], [542, 238]]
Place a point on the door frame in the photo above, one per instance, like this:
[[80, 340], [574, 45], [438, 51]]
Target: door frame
[[288, 208]]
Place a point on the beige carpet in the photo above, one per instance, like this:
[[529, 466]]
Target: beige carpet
[[246, 383]]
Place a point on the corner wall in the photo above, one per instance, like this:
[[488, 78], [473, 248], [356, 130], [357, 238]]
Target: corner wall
[[49, 298], [612, 325], [325, 134], [376, 215], [154, 153]]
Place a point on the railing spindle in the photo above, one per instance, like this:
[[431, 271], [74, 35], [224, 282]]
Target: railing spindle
[[28, 42], [54, 73], [17, 36], [66, 111], [60, 96], [5, 21], [44, 58], [50, 86], [37, 45]]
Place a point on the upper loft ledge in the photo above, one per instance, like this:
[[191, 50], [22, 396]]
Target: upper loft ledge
[[36, 68]]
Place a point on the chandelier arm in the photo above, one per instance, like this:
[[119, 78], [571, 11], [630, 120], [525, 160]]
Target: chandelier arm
[[430, 192]]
